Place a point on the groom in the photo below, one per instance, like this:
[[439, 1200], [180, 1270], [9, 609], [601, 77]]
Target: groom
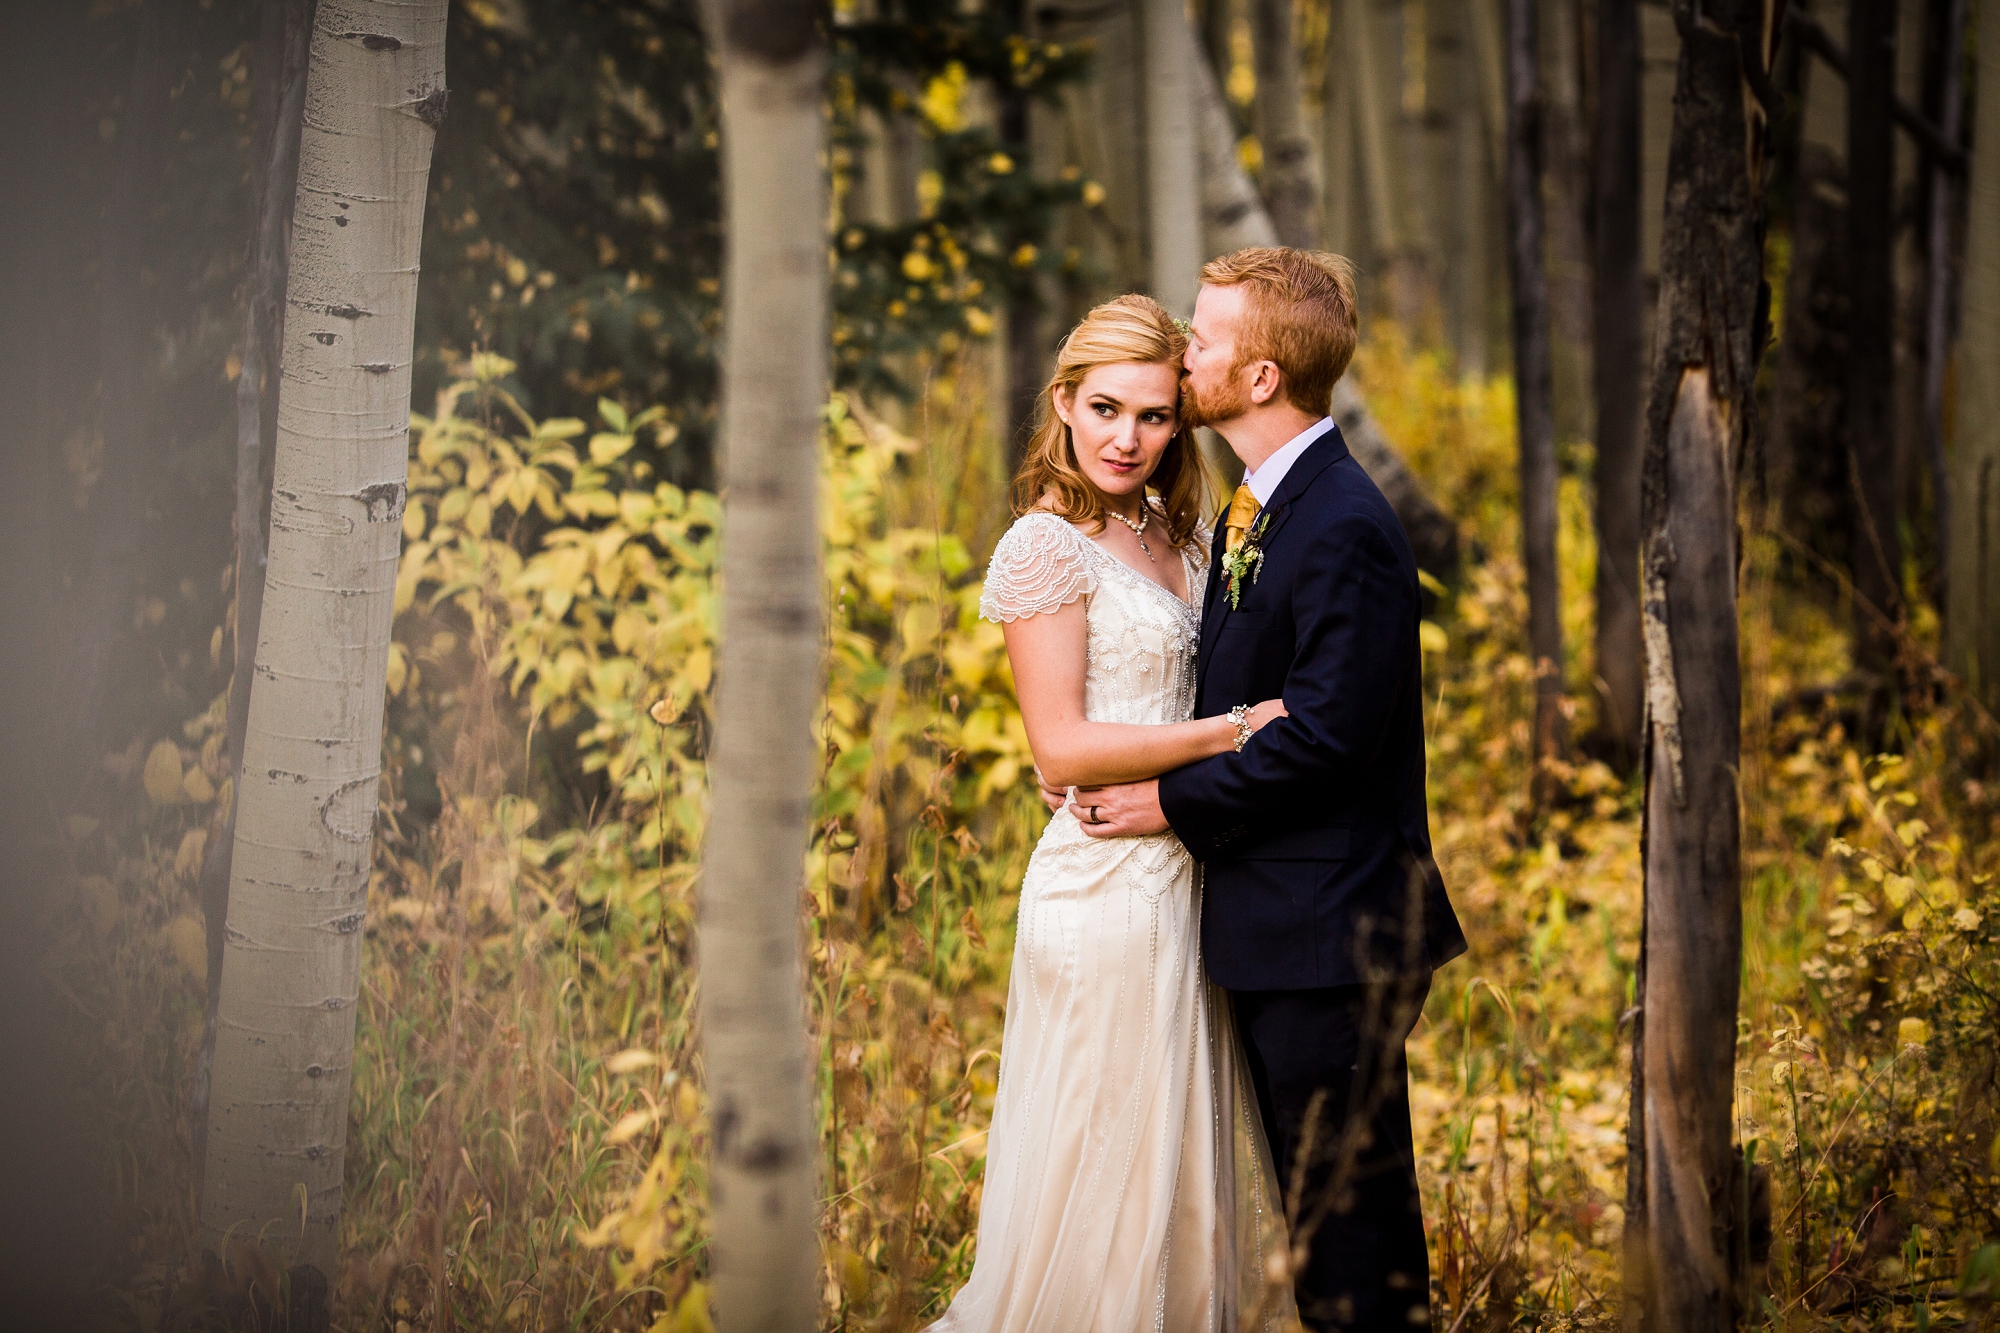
[[1323, 912]]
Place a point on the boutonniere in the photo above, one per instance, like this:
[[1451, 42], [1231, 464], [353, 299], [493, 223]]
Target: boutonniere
[[1245, 560]]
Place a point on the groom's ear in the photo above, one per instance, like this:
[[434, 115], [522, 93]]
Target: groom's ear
[[1267, 383]]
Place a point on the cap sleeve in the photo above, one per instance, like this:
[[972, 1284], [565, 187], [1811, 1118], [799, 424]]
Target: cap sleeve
[[1039, 566]]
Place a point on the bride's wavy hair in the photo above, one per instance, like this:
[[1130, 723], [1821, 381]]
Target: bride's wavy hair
[[1126, 330]]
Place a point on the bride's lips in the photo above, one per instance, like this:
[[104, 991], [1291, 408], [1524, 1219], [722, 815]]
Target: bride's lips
[[1120, 467]]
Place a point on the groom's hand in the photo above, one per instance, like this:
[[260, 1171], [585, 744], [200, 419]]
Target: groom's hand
[[1127, 810], [1055, 798]]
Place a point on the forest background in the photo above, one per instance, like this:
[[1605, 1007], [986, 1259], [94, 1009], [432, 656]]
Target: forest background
[[527, 1137]]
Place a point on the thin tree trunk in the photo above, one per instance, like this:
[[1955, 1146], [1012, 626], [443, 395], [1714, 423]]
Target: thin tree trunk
[[1235, 218], [1173, 183], [1566, 191], [310, 771], [1877, 553], [1974, 620], [1385, 230], [1461, 180], [1619, 367], [1022, 357], [763, 1196], [1533, 391], [1291, 176], [280, 75], [1937, 295], [1340, 218], [127, 319], [1699, 416]]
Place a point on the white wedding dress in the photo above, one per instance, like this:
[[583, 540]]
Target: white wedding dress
[[1123, 1191]]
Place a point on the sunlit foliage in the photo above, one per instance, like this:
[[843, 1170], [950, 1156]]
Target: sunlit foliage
[[527, 1139]]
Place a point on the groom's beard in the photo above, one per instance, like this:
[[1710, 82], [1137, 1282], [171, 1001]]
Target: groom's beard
[[1232, 400]]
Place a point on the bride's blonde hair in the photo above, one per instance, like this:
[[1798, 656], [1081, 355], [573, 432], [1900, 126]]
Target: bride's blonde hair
[[1126, 330]]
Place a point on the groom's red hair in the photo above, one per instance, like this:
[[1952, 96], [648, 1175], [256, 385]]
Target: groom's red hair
[[1299, 314]]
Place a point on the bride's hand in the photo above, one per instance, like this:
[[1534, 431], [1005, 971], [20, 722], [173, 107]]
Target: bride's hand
[[1266, 712]]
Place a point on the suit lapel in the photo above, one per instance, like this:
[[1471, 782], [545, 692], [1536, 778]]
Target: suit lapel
[[1213, 606], [1321, 454]]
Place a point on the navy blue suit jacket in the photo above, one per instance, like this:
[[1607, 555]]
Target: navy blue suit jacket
[[1315, 838]]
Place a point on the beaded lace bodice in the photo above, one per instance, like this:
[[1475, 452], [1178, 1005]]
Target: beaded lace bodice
[[1139, 656]]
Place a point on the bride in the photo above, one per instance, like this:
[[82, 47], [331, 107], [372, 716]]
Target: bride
[[1123, 1188]]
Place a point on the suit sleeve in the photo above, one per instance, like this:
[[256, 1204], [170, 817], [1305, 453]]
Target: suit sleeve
[[1354, 610]]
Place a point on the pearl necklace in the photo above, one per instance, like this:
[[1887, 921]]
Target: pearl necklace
[[1139, 528]]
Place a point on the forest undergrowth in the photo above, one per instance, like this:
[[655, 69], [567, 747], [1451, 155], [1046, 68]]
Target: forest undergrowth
[[527, 1134]]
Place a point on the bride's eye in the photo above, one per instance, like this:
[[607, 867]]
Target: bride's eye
[[1104, 410]]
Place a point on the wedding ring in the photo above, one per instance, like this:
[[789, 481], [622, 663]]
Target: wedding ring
[[1093, 816]]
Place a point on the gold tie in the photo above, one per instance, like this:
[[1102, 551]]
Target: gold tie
[[1243, 509]]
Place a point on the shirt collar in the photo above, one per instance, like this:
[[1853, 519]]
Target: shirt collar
[[1263, 483]]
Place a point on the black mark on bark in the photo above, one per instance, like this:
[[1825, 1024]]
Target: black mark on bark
[[325, 339], [433, 105], [378, 367], [766, 1155], [384, 502], [374, 41]]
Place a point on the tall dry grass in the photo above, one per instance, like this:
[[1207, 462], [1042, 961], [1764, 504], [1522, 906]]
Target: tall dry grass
[[527, 1138]]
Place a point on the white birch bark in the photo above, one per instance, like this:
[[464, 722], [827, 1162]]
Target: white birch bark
[[1974, 587], [758, 1065], [1173, 184], [1291, 172], [291, 971]]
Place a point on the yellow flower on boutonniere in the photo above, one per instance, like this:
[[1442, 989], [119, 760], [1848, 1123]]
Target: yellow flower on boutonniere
[[1246, 559]]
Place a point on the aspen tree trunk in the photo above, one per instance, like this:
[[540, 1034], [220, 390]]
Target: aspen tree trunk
[[1877, 553], [1340, 214], [1974, 620], [1291, 176], [1386, 237], [1533, 388], [307, 793], [280, 75], [1618, 366], [1937, 294], [1699, 416], [759, 1067], [1174, 104]]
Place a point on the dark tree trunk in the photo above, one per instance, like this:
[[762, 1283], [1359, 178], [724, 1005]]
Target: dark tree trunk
[[1947, 46], [1618, 366], [1534, 389], [1877, 552], [1807, 461], [284, 35], [1973, 645], [1022, 361], [1699, 420], [126, 325]]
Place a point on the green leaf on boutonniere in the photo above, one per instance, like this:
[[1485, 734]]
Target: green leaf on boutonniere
[[1245, 560]]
